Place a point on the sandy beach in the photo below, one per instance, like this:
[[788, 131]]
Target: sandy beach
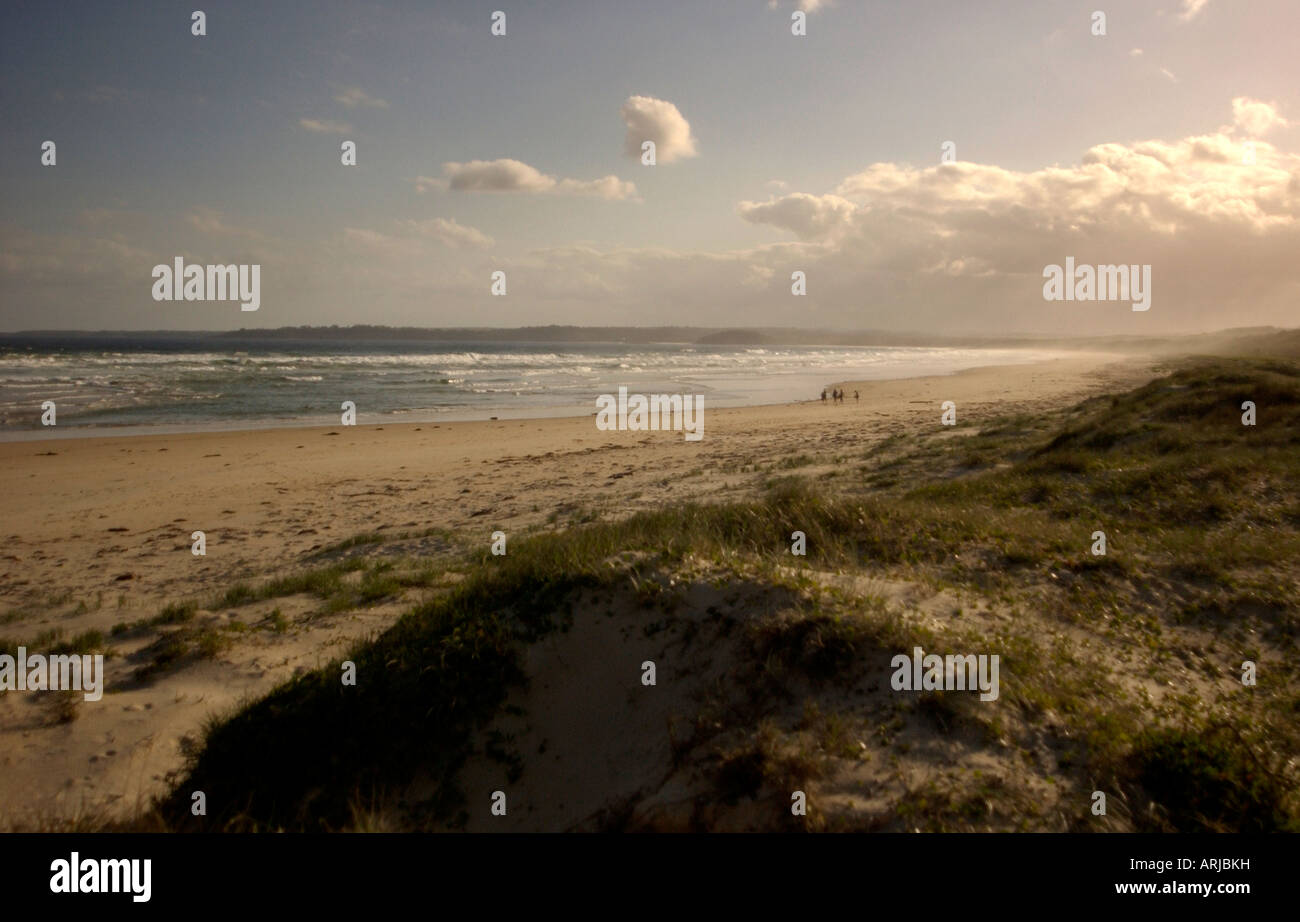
[[415, 425], [98, 532]]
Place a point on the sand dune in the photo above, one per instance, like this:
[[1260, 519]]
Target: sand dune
[[97, 534]]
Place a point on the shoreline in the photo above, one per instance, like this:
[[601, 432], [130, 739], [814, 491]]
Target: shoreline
[[469, 415]]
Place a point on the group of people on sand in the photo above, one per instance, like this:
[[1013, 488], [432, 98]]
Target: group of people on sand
[[837, 395]]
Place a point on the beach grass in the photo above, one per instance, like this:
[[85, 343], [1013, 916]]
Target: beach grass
[[1202, 526]]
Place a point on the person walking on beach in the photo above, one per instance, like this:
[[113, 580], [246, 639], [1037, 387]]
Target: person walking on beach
[[823, 395], [856, 397]]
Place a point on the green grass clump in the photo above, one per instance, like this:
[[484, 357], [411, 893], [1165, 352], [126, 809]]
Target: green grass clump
[[1212, 779], [209, 642], [440, 672], [1203, 527], [86, 642], [162, 656], [322, 582], [362, 540], [277, 622], [174, 613]]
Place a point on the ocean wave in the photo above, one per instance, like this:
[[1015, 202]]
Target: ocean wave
[[154, 386]]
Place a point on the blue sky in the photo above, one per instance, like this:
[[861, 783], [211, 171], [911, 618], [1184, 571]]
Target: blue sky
[[225, 147]]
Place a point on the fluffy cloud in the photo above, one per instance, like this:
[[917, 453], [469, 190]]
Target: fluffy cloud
[[950, 248], [324, 126], [808, 216], [960, 248], [506, 175], [963, 244], [1154, 187], [497, 176], [1191, 8], [650, 119], [354, 96], [1255, 117]]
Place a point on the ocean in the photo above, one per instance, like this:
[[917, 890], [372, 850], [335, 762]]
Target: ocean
[[193, 383]]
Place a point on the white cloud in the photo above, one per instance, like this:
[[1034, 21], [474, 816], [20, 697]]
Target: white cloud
[[324, 126], [809, 216], [808, 6], [355, 96], [650, 119], [210, 221], [507, 175], [450, 233], [1255, 117], [951, 248], [610, 188], [1192, 8], [1153, 187], [1169, 73], [409, 244], [962, 245], [504, 175], [1135, 52], [960, 248]]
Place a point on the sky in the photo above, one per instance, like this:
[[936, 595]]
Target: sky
[[1173, 140]]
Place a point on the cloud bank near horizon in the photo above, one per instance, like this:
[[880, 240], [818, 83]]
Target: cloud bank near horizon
[[954, 247]]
